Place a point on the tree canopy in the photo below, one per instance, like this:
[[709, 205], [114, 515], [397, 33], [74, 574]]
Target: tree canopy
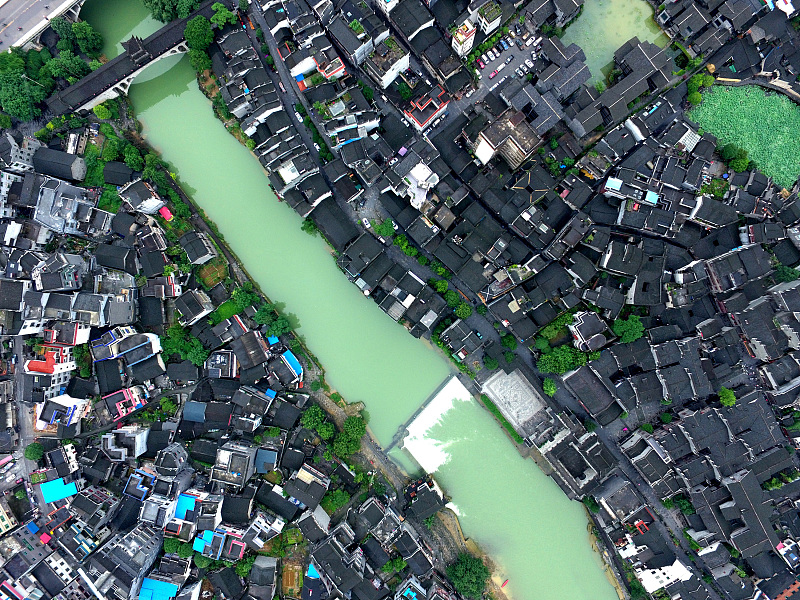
[[90, 41], [560, 360], [312, 417], [168, 10], [784, 274], [198, 33], [222, 15], [549, 387], [628, 330], [34, 451], [101, 112], [468, 575], [726, 396]]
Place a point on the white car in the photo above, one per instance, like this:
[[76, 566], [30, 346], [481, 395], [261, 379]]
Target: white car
[[299, 118], [316, 146], [365, 222], [484, 58], [529, 62]]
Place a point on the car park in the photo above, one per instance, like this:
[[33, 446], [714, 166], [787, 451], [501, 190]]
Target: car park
[[529, 62]]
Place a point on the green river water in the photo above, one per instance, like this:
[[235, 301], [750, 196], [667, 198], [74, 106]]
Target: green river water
[[536, 536], [618, 21]]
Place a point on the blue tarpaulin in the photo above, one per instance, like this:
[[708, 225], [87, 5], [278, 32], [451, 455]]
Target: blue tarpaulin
[[293, 363]]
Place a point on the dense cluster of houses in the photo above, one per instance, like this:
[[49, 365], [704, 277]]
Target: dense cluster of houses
[[158, 474], [549, 196]]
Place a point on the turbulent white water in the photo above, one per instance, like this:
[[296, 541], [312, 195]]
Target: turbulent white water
[[431, 453]]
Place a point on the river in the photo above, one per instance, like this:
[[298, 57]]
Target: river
[[619, 21], [537, 537]]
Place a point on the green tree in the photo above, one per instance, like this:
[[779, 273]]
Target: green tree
[[333, 500], [5, 121], [666, 417], [406, 93], [133, 157], [549, 387], [313, 417], [383, 228], [695, 98], [244, 565], [345, 445], [490, 363], [482, 310], [468, 575], [186, 7], [463, 310], [200, 60], [64, 30], [34, 451], [198, 33], [509, 341], [784, 274], [739, 164], [430, 521], [68, 65], [452, 298], [628, 330], [590, 503], [202, 562], [222, 16], [171, 545], [265, 314], [309, 227], [542, 344], [441, 286], [20, 494], [19, 97], [726, 396], [89, 40], [647, 427], [355, 427], [326, 430], [185, 550], [279, 326], [245, 297], [683, 504], [561, 360], [395, 565], [243, 5], [509, 356]]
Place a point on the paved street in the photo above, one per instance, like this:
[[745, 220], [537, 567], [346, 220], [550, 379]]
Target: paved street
[[19, 17]]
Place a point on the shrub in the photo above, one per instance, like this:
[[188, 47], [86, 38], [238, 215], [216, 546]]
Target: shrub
[[647, 427], [549, 387], [666, 418], [695, 98]]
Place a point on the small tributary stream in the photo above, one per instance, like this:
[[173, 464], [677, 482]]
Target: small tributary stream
[[537, 537]]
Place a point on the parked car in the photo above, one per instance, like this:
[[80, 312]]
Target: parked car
[[524, 68], [529, 62], [520, 45], [18, 481], [501, 67], [316, 146], [395, 225], [529, 42], [511, 33], [484, 58], [519, 72], [299, 118], [365, 222], [490, 56], [509, 59], [498, 49], [481, 64], [503, 43], [493, 74]]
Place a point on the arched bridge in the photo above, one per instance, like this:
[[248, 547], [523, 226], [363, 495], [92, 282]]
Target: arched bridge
[[115, 77]]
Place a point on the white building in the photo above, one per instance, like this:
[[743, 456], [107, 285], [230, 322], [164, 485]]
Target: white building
[[464, 38]]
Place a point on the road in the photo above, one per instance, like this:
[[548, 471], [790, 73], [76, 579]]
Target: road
[[23, 19]]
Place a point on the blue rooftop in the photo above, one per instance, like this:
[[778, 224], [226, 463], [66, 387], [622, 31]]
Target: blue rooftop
[[293, 363], [32, 527], [57, 490], [185, 504], [153, 589], [273, 339], [312, 572]]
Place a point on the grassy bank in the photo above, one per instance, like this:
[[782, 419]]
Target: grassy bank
[[499, 416]]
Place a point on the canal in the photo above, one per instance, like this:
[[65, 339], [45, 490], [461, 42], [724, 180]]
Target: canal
[[506, 504], [605, 25]]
